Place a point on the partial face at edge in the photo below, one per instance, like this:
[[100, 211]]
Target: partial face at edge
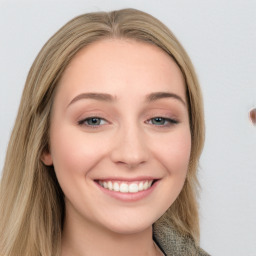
[[120, 120]]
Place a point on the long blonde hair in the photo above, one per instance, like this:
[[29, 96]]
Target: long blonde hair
[[31, 202]]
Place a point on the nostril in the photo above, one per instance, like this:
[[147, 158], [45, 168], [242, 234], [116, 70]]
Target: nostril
[[252, 115]]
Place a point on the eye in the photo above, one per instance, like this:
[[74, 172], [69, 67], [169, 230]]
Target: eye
[[92, 121], [162, 121]]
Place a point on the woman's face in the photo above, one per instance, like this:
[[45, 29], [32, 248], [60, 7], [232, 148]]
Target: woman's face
[[120, 137]]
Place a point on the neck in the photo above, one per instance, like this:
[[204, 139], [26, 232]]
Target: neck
[[86, 238]]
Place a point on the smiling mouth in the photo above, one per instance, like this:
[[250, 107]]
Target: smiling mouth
[[126, 187]]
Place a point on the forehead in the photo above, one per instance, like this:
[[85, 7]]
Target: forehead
[[113, 64]]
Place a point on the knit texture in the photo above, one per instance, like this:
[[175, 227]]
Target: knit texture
[[173, 243]]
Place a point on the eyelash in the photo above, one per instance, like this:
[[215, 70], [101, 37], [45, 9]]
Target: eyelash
[[167, 121], [86, 120]]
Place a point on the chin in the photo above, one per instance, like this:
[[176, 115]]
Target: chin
[[129, 229], [131, 224]]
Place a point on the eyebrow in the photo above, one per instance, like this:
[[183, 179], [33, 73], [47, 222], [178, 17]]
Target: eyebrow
[[161, 95], [95, 96], [109, 98]]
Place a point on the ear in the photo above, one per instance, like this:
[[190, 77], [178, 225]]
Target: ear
[[47, 158]]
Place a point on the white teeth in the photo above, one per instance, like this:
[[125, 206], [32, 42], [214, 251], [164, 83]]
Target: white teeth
[[116, 186], [145, 186], [141, 186], [133, 188], [110, 186], [124, 187]]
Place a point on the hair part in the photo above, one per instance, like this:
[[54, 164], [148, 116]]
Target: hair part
[[31, 200]]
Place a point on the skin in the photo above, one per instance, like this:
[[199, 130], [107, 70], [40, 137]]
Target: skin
[[128, 142]]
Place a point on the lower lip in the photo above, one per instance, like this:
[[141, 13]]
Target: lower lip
[[129, 197]]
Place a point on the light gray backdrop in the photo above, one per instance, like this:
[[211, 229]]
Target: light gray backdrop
[[220, 37]]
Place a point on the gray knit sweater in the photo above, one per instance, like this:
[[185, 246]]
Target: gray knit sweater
[[173, 243]]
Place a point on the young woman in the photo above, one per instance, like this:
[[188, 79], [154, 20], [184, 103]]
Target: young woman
[[104, 152]]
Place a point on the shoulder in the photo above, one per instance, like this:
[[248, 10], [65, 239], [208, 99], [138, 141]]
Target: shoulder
[[173, 243]]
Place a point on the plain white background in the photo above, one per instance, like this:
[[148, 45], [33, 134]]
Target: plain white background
[[220, 37]]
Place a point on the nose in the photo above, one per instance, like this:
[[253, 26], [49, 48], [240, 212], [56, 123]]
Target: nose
[[130, 148]]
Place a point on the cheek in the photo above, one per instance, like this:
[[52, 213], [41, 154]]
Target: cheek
[[174, 153], [74, 153]]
